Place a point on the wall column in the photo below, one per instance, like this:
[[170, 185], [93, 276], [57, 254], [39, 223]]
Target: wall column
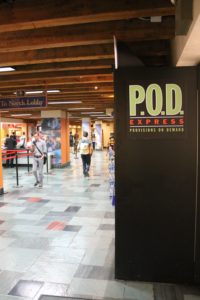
[[86, 126], [98, 135], [65, 147]]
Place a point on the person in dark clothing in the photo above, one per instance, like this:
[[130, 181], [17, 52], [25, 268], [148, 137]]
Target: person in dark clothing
[[10, 145], [71, 141]]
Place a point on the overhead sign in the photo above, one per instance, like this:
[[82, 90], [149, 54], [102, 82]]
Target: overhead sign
[[156, 109], [23, 102]]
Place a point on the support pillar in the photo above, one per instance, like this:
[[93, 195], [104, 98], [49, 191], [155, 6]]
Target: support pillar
[[65, 147], [86, 126], [98, 135]]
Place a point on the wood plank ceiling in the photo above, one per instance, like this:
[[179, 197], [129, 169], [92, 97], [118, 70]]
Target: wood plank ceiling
[[67, 45]]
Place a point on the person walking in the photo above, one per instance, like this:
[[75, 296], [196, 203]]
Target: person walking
[[22, 141], [76, 143], [71, 141], [10, 145], [85, 146], [93, 140], [39, 150]]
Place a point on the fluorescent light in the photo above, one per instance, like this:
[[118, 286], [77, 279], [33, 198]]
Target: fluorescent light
[[92, 112], [6, 69], [64, 102], [94, 115], [21, 115], [102, 117], [3, 111], [34, 92], [81, 108], [40, 92], [53, 91]]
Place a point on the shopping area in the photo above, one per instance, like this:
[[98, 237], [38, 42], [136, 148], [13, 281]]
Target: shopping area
[[23, 134]]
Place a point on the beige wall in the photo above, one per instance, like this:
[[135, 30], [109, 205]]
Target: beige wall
[[185, 48], [107, 127]]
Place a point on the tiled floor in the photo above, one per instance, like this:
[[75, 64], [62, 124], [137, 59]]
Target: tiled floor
[[59, 240]]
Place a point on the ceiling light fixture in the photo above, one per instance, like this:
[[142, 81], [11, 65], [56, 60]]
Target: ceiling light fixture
[[3, 111], [81, 108], [21, 115], [53, 91], [102, 116], [92, 112], [105, 117], [6, 69], [96, 87], [64, 102], [34, 92]]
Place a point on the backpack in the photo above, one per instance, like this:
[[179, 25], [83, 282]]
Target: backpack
[[84, 147]]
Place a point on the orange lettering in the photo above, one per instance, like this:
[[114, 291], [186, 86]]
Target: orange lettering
[[165, 122], [156, 121], [181, 121], [148, 121]]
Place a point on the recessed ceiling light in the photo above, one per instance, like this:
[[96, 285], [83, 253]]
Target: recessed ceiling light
[[65, 102], [81, 108], [95, 115], [21, 115], [34, 92], [53, 91], [6, 69], [96, 87], [104, 117], [92, 112]]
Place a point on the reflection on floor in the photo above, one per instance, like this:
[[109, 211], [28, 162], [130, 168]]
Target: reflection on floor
[[59, 240]]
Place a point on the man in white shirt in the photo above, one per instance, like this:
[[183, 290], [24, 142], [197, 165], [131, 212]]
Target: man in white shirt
[[39, 151], [85, 146]]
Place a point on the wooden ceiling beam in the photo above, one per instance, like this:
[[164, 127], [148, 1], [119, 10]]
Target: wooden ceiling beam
[[68, 89], [86, 34], [57, 55], [55, 82], [63, 66], [57, 75], [23, 14]]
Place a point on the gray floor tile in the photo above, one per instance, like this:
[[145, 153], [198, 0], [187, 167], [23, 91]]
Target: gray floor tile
[[75, 228], [53, 289], [26, 288], [94, 272], [106, 227], [73, 208], [29, 242], [8, 279]]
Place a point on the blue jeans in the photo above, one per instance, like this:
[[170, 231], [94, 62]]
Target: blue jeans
[[86, 159]]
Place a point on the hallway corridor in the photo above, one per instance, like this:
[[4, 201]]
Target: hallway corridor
[[59, 240]]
